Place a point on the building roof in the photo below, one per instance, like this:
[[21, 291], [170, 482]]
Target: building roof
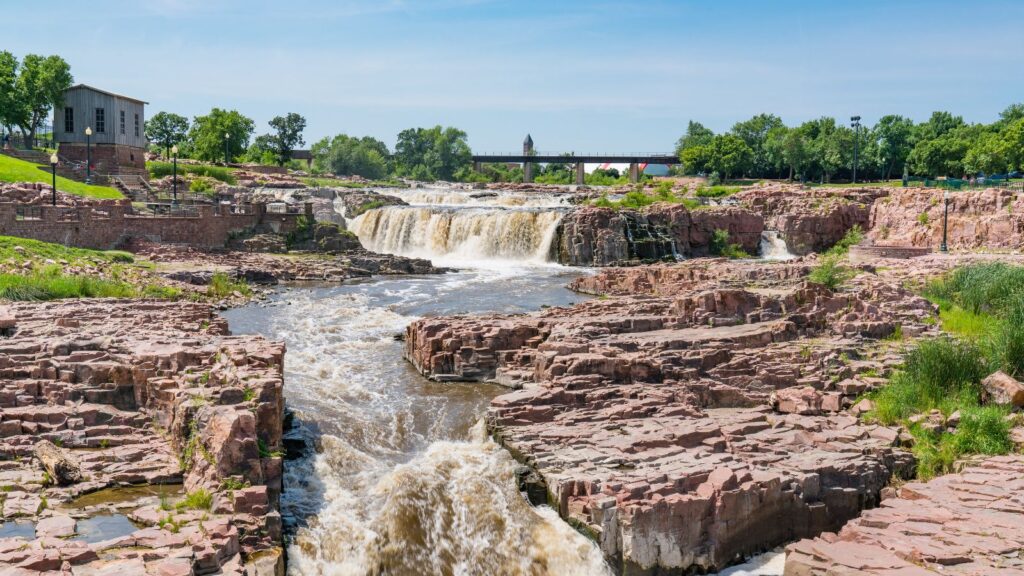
[[87, 87], [528, 141]]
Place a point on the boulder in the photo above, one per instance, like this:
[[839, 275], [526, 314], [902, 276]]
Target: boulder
[[1001, 388]]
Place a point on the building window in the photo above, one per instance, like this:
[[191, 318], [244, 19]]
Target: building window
[[69, 119], [122, 122], [136, 125], [101, 121]]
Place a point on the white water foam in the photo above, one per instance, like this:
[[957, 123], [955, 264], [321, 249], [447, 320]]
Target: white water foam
[[773, 247]]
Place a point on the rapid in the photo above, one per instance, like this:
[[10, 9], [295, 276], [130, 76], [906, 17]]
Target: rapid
[[404, 479]]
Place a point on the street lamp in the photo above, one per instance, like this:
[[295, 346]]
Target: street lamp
[[855, 124], [174, 177], [88, 155], [945, 220], [53, 170], [226, 137]]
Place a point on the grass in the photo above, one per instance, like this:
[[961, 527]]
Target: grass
[[200, 499], [221, 173], [38, 250], [720, 246], [716, 191], [49, 286], [222, 286], [831, 272], [15, 170], [636, 199]]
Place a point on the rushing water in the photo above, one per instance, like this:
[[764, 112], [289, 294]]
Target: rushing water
[[459, 228], [404, 480], [773, 247]]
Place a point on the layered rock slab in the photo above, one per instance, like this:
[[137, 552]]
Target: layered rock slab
[[966, 523], [141, 392]]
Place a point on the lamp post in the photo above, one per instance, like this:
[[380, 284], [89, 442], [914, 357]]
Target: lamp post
[[226, 137], [945, 220], [88, 155], [53, 171], [174, 177], [855, 124]]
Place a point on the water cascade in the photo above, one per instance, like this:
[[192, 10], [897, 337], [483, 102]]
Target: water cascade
[[773, 247], [459, 234]]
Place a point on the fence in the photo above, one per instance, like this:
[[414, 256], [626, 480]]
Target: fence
[[19, 140], [960, 184]]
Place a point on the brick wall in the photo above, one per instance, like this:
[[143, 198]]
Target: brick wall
[[106, 158], [105, 227]]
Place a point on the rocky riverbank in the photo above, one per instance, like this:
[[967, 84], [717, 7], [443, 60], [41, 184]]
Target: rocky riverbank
[[139, 393], [701, 412]]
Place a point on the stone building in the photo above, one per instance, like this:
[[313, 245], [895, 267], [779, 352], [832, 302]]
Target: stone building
[[118, 140]]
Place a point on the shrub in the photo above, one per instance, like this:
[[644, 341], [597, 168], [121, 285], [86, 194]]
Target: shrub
[[982, 430], [716, 191], [121, 256], [161, 169], [830, 272], [714, 179], [203, 185], [853, 236], [720, 246], [922, 218]]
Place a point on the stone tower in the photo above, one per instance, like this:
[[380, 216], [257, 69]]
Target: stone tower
[[528, 166]]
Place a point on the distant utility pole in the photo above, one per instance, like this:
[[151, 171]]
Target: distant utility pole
[[855, 124]]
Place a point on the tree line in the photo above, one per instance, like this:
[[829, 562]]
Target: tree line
[[29, 89], [823, 149], [226, 135]]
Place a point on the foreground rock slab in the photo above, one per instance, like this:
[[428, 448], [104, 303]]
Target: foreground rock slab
[[966, 523], [114, 410]]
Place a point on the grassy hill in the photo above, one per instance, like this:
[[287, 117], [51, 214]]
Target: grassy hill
[[14, 170]]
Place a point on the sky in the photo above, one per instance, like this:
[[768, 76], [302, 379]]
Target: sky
[[580, 76]]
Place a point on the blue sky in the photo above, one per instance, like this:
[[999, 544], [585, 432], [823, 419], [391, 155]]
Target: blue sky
[[584, 76]]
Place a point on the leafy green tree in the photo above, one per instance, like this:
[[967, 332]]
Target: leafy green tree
[[1011, 114], [42, 81], [287, 135], [349, 156], [207, 134], [945, 154], [730, 155], [166, 129], [432, 153], [939, 124], [988, 154], [754, 132], [696, 135], [261, 151], [1013, 137], [8, 90], [894, 135]]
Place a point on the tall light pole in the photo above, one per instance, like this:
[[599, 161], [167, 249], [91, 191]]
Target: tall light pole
[[88, 155], [53, 170], [174, 177], [855, 124], [945, 220], [227, 136]]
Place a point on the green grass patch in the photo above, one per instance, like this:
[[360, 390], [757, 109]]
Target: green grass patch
[[716, 191], [982, 430], [966, 324], [720, 246], [48, 286], [38, 250], [200, 499], [15, 170], [638, 198], [222, 286], [162, 169]]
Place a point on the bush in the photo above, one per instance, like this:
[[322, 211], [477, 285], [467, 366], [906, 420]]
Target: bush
[[121, 256], [714, 179], [200, 499], [830, 272], [720, 246], [982, 430], [161, 169], [716, 191], [853, 236], [203, 185]]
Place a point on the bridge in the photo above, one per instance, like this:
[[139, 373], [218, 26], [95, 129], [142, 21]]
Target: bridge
[[529, 157]]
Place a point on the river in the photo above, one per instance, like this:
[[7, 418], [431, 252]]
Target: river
[[404, 480]]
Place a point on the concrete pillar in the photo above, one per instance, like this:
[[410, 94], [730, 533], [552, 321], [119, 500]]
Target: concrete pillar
[[527, 172], [477, 167], [581, 174], [634, 172]]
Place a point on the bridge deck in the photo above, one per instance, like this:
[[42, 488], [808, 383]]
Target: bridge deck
[[585, 158]]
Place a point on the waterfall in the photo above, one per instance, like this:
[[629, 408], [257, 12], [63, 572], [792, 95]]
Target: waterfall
[[462, 235], [773, 247]]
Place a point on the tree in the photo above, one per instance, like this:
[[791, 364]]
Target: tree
[[207, 134], [988, 154], [432, 153], [754, 133], [8, 89], [944, 155], [166, 129], [894, 136], [1013, 138], [696, 135], [41, 84], [287, 135], [261, 151], [730, 155], [349, 156]]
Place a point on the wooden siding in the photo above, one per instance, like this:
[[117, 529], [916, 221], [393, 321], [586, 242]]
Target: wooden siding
[[85, 101]]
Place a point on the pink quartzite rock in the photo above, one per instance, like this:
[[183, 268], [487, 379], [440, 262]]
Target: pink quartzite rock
[[1004, 389], [971, 523]]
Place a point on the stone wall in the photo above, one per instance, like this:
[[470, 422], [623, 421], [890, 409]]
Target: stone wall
[[106, 227], [868, 253], [106, 158]]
